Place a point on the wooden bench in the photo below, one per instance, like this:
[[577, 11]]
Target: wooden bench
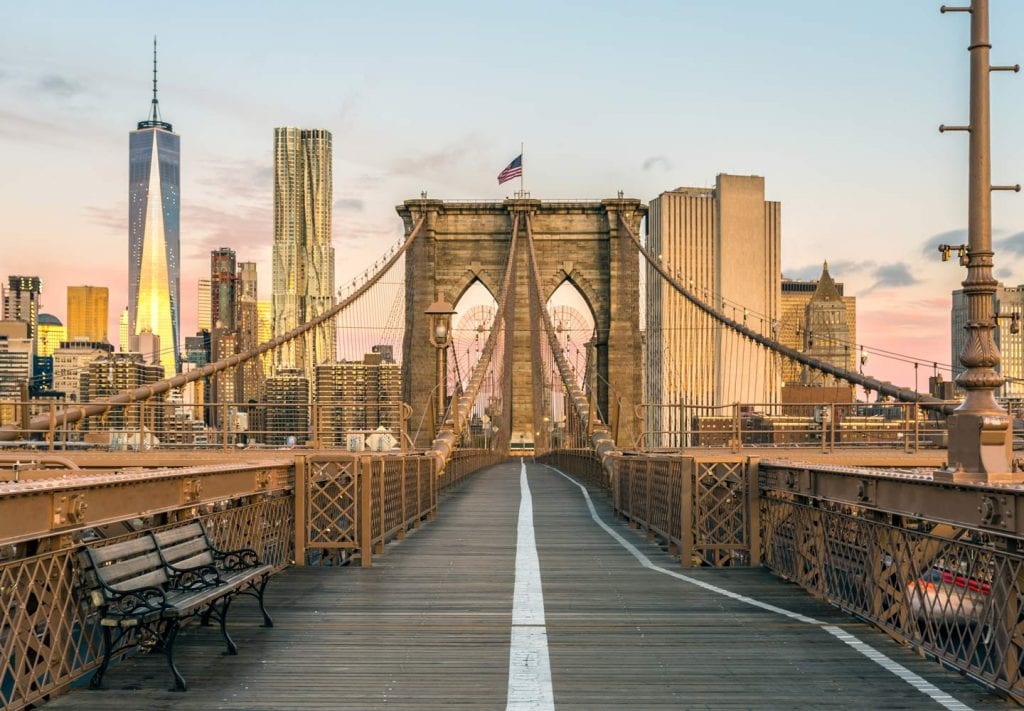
[[153, 584]]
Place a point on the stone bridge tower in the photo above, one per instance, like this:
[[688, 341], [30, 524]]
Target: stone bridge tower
[[576, 241]]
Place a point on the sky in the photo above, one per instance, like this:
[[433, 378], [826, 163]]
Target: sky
[[835, 104]]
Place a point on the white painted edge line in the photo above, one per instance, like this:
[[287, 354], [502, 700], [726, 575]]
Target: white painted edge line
[[925, 687], [529, 666]]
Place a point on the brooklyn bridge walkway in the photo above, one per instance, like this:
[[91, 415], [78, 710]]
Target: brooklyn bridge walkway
[[485, 608]]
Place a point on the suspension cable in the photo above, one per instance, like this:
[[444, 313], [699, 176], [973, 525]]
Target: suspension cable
[[873, 384], [67, 416]]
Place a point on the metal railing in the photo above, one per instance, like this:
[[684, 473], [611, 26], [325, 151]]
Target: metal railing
[[937, 566], [49, 631], [313, 507], [827, 426], [158, 424]]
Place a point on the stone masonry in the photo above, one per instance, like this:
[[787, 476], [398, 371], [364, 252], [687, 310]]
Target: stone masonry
[[578, 241]]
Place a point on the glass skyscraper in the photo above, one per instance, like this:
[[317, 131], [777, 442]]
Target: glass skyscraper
[[154, 218]]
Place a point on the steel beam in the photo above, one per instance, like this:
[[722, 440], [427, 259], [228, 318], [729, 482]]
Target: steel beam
[[37, 509]]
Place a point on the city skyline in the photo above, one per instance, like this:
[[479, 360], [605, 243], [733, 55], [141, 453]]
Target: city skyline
[[817, 119]]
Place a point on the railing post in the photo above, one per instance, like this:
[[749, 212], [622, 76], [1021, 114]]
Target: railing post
[[51, 430], [224, 424], [432, 512], [754, 509], [403, 478], [737, 428], [832, 428], [300, 510], [314, 424], [917, 428], [686, 513], [382, 512], [365, 468], [647, 503], [419, 493]]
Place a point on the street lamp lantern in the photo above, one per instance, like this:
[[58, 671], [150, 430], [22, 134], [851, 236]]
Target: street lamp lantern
[[440, 313]]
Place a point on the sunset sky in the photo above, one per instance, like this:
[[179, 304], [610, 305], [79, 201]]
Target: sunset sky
[[836, 104]]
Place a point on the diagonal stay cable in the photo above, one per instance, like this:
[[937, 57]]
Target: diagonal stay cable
[[444, 444], [600, 436]]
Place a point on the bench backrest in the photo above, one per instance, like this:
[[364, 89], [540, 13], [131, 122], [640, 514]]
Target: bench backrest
[[185, 547], [128, 565]]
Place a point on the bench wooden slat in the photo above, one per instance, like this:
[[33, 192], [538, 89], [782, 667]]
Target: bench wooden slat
[[171, 536], [123, 571], [149, 580], [126, 549], [184, 550], [196, 561]]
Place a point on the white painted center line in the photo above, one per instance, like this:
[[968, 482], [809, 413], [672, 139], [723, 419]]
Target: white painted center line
[[925, 687], [529, 669]]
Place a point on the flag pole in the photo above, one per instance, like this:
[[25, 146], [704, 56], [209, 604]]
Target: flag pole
[[522, 171]]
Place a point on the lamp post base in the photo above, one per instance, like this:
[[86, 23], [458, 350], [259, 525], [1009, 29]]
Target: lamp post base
[[980, 451]]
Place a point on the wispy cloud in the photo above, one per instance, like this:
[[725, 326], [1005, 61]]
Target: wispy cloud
[[1014, 244], [350, 203], [59, 86], [249, 233], [893, 276], [21, 127], [439, 159], [656, 163], [112, 219], [837, 269]]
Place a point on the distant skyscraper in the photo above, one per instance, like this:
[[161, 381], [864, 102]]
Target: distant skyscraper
[[114, 373], [87, 312], [16, 363], [358, 397], [246, 281], [264, 331], [223, 285], [21, 302], [1007, 300], [70, 360], [204, 319], [247, 326], [287, 412], [796, 305], [51, 333], [154, 212], [123, 332], [725, 244], [303, 278]]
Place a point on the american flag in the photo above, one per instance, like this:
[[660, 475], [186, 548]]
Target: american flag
[[512, 170]]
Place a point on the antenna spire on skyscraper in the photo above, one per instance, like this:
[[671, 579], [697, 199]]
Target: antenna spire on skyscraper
[[154, 113]]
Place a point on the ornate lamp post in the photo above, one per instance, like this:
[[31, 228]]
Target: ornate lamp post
[[980, 434], [440, 313]]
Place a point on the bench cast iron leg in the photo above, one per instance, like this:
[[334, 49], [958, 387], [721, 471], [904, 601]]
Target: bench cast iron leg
[[108, 649], [172, 634], [223, 615], [205, 618], [267, 620]]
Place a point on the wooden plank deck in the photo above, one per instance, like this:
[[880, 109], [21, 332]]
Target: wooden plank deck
[[428, 627]]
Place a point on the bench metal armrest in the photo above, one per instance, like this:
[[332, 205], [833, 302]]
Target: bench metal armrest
[[237, 560], [204, 576], [134, 602]]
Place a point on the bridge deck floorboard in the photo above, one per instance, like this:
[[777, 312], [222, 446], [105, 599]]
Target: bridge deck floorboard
[[429, 626]]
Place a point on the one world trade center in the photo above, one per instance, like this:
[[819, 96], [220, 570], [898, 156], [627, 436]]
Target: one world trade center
[[154, 219]]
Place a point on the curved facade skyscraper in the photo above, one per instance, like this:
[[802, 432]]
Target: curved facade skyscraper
[[303, 279], [154, 219]]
